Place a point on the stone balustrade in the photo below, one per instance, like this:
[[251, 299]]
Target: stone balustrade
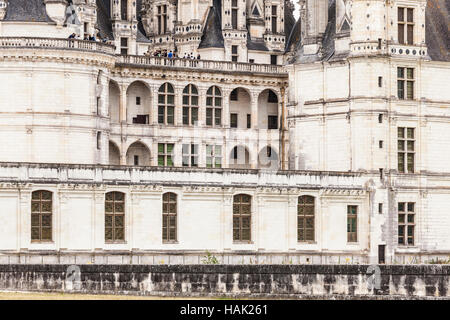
[[141, 61], [55, 43], [224, 66]]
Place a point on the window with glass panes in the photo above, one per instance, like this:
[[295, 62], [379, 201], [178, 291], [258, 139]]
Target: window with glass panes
[[406, 150], [405, 25], [352, 223], [305, 214], [169, 225], [406, 223], [114, 216], [213, 156], [213, 107], [190, 105], [190, 155], [405, 83], [165, 154], [242, 209], [41, 216], [274, 19], [234, 14], [166, 104]]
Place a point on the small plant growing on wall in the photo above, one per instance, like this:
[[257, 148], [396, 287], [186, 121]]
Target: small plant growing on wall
[[210, 259], [439, 261]]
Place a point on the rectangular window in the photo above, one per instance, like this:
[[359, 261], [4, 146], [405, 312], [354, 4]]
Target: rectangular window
[[136, 160], [98, 106], [380, 82], [234, 53], [162, 19], [234, 14], [41, 216], [380, 208], [406, 26], [213, 156], [242, 212], [190, 155], [380, 144], [123, 46], [233, 120], [138, 101], [114, 216], [274, 19], [272, 122], [405, 83], [99, 140], [406, 223], [273, 59], [124, 10], [380, 118], [169, 223], [165, 154], [406, 150], [249, 121], [352, 222]]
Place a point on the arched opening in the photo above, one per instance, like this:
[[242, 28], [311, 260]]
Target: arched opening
[[268, 110], [138, 155], [240, 109], [138, 103], [114, 101], [268, 158], [114, 154], [239, 158]]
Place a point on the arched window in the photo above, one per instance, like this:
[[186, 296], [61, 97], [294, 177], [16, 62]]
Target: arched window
[[242, 212], [305, 213], [190, 105], [169, 226], [41, 216], [166, 104], [115, 216], [213, 107]]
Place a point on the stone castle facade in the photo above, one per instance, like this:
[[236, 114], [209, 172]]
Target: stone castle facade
[[322, 140]]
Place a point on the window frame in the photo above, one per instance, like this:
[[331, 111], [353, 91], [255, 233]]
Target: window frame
[[165, 91], [213, 107], [403, 150], [405, 28], [241, 216], [302, 203], [213, 156], [405, 82], [191, 155], [406, 224], [191, 95], [352, 236], [113, 215], [41, 214], [166, 217], [165, 154]]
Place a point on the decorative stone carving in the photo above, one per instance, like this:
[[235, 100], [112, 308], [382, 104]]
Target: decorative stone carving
[[3, 5], [56, 10]]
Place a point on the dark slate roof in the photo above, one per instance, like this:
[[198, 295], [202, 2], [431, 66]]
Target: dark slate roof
[[330, 32], [212, 34], [256, 45], [26, 10], [289, 20], [294, 37], [104, 19], [436, 29]]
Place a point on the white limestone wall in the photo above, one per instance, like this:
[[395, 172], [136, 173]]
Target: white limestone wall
[[50, 112]]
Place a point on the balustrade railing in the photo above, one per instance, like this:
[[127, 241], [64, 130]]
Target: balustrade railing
[[201, 64], [57, 43], [143, 61]]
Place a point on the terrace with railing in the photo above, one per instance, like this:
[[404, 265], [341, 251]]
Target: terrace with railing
[[224, 66], [142, 61]]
